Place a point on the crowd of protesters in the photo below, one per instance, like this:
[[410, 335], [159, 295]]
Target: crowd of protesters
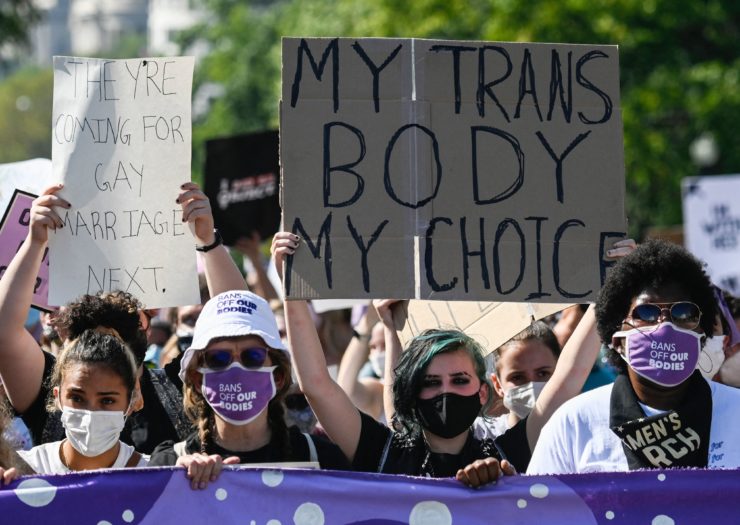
[[245, 378]]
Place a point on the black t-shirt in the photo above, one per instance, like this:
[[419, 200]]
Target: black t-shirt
[[514, 446], [382, 450], [329, 455], [144, 429]]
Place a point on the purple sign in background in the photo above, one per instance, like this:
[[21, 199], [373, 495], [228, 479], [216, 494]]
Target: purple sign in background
[[305, 497], [13, 230]]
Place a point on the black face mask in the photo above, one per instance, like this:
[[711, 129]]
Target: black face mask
[[448, 415]]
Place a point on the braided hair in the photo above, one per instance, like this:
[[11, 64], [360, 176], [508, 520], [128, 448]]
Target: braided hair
[[203, 417]]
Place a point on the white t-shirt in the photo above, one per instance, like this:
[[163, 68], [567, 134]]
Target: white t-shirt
[[490, 427], [46, 459], [578, 439]]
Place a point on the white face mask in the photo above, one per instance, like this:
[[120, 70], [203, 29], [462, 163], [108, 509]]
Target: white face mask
[[730, 371], [92, 432], [712, 356], [520, 399], [377, 361]]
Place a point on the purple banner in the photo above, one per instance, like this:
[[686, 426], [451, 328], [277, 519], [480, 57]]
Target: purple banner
[[303, 497], [13, 230]]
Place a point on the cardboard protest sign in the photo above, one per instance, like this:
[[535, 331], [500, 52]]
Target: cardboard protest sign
[[711, 217], [450, 170], [241, 180], [121, 138], [491, 324], [13, 231]]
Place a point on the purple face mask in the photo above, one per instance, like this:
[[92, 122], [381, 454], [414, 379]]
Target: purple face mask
[[664, 354], [238, 394]]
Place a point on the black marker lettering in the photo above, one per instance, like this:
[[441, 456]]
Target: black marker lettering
[[387, 175], [516, 185], [375, 70], [364, 249]]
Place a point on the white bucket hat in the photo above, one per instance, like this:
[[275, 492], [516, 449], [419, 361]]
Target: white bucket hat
[[233, 314]]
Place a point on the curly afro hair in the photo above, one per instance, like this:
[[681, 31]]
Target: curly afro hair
[[653, 265], [117, 310]]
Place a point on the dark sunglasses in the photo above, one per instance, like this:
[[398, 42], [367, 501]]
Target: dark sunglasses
[[218, 359], [682, 313]]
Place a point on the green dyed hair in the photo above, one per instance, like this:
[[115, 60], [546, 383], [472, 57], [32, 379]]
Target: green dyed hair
[[412, 366]]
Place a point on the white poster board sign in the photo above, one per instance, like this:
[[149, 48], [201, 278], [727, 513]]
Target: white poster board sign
[[711, 217], [121, 139], [31, 176]]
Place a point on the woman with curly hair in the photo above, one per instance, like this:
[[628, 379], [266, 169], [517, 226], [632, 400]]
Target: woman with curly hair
[[236, 373], [655, 311], [26, 368], [94, 389]]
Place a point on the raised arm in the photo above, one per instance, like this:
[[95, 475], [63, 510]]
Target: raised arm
[[366, 394], [574, 364], [21, 358], [387, 309], [257, 280], [221, 271], [334, 410]]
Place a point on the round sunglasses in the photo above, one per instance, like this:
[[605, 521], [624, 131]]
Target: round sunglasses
[[682, 313], [219, 358]]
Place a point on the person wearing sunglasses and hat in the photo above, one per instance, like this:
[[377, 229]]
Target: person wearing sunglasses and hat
[[655, 311], [236, 373]]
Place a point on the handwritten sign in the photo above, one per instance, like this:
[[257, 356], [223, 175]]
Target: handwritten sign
[[450, 170], [241, 180], [13, 231], [121, 139], [711, 216]]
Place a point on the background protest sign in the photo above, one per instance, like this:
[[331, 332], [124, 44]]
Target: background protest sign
[[121, 139], [241, 180], [450, 170], [491, 324], [31, 176], [711, 218], [13, 231]]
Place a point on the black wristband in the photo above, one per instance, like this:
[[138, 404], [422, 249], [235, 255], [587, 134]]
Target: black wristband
[[217, 241], [361, 337]]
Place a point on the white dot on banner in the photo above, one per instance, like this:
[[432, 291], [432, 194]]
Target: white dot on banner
[[272, 478], [104, 523], [221, 494], [36, 492], [430, 513], [308, 514], [127, 516], [522, 503], [274, 522], [609, 515], [539, 490], [662, 519], [661, 477]]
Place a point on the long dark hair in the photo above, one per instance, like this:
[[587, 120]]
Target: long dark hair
[[100, 347]]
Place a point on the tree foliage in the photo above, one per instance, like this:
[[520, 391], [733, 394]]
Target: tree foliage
[[679, 68], [25, 106]]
